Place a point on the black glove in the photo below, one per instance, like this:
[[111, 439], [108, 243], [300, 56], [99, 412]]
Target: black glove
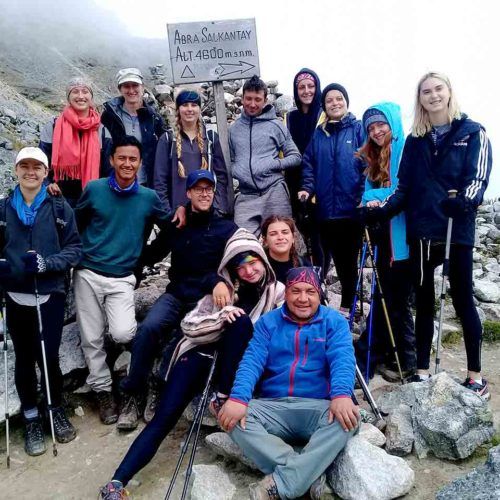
[[454, 207], [34, 263], [5, 268], [371, 216]]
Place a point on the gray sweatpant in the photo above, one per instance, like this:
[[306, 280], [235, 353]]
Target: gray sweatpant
[[273, 423], [251, 210]]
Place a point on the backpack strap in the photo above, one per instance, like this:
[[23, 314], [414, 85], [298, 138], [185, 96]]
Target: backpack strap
[[210, 147], [3, 222]]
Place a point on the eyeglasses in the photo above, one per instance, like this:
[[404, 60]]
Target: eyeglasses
[[202, 190]]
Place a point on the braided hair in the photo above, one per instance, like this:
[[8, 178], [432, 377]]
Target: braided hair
[[178, 144]]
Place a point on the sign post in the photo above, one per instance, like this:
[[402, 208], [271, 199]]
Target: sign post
[[214, 51]]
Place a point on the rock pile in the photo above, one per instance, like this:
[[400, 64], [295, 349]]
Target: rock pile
[[164, 93], [439, 416]]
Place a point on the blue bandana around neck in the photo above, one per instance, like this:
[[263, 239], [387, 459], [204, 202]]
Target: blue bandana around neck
[[132, 189], [27, 213]]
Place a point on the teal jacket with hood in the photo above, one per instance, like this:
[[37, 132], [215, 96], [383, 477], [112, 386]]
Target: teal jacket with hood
[[398, 223]]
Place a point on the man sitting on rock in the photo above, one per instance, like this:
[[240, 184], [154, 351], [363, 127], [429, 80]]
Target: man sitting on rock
[[196, 251], [302, 357]]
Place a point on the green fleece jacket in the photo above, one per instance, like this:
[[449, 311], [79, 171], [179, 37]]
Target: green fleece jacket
[[113, 227]]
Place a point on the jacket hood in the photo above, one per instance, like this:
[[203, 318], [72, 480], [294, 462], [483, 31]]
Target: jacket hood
[[316, 103], [268, 113], [244, 241]]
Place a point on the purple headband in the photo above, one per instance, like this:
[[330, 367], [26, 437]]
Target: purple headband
[[303, 275]]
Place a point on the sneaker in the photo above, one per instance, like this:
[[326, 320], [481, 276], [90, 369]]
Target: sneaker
[[264, 490], [108, 411], [129, 414], [216, 404], [151, 402], [63, 428], [114, 490], [34, 438], [479, 389]]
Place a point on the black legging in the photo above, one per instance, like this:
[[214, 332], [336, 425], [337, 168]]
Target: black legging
[[22, 323], [186, 379], [341, 238], [424, 259]]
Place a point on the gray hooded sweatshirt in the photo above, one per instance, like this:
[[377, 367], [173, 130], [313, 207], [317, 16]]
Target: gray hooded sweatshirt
[[255, 145]]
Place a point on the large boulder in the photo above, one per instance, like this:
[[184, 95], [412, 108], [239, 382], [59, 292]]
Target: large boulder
[[211, 483], [223, 445], [364, 471], [448, 419], [399, 432], [482, 483], [486, 291]]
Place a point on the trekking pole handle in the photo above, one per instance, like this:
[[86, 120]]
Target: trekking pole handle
[[452, 193]]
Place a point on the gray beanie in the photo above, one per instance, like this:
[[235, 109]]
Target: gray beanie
[[76, 82]]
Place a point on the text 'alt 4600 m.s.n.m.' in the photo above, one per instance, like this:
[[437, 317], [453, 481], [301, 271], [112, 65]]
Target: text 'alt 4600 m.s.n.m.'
[[213, 50]]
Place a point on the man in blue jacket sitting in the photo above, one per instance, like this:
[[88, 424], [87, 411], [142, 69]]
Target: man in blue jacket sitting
[[303, 359]]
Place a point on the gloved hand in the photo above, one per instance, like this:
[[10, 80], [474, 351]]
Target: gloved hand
[[371, 216], [454, 207], [5, 268], [34, 263]]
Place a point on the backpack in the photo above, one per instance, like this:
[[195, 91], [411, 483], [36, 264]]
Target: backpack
[[210, 145]]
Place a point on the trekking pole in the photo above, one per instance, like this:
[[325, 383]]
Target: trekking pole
[[359, 376], [306, 233], [359, 286], [6, 378], [384, 306], [370, 321], [44, 358], [197, 420], [452, 193]]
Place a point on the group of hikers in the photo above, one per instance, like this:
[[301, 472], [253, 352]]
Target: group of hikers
[[89, 196]]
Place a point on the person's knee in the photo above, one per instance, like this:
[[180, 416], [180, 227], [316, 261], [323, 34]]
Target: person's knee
[[123, 333]]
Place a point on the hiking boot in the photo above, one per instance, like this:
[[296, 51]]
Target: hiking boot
[[264, 490], [416, 378], [63, 428], [114, 490], [390, 373], [34, 438], [319, 490], [479, 389], [129, 414], [151, 402], [108, 411]]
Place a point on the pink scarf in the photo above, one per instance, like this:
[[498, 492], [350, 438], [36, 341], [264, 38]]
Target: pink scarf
[[76, 151]]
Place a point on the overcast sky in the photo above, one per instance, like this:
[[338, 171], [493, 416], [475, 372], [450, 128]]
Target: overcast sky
[[377, 49]]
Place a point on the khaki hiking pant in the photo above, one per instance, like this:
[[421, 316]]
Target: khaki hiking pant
[[103, 304]]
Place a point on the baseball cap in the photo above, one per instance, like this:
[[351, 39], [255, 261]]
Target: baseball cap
[[31, 153], [197, 176], [129, 75]]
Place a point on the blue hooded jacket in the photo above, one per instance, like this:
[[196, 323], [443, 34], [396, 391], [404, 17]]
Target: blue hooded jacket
[[331, 171], [392, 112]]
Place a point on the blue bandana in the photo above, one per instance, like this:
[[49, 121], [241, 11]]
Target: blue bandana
[[27, 214], [132, 189]]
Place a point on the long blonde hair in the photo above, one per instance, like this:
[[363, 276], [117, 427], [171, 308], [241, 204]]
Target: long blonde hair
[[178, 144], [421, 121]]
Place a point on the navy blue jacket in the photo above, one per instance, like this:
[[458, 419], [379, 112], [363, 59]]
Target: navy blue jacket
[[61, 250], [461, 161], [152, 126], [331, 171], [197, 251]]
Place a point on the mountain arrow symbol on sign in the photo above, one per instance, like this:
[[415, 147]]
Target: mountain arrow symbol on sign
[[225, 69]]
